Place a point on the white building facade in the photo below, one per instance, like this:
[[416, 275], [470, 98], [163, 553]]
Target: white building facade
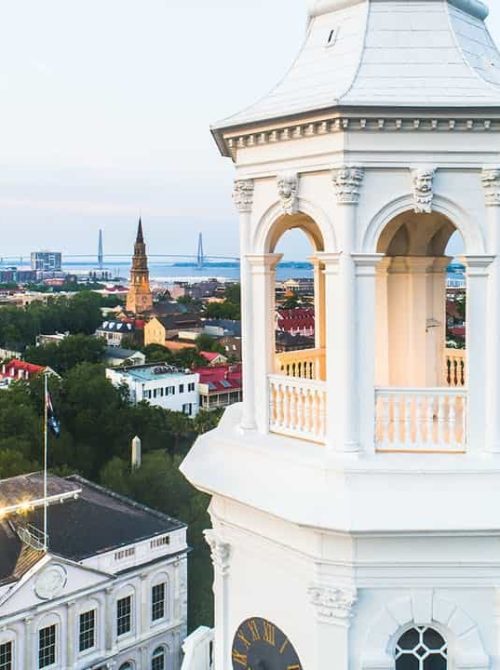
[[121, 607], [160, 385], [357, 527]]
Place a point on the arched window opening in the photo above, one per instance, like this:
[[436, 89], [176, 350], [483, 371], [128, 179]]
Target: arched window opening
[[298, 316], [421, 365], [421, 648], [125, 666], [158, 660]]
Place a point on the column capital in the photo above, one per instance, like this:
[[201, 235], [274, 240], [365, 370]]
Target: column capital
[[243, 195], [220, 550], [477, 265], [262, 263], [333, 604], [347, 180], [491, 185], [288, 191], [367, 264], [423, 188]]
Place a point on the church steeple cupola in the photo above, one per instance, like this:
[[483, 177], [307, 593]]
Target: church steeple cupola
[[139, 297]]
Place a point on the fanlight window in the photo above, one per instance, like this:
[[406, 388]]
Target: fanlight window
[[421, 648]]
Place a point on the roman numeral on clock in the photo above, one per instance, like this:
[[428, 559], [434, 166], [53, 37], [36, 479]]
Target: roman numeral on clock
[[269, 633], [241, 659]]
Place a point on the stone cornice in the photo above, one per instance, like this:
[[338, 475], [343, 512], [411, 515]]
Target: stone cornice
[[286, 130]]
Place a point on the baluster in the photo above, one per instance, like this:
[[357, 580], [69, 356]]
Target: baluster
[[300, 410], [455, 372], [293, 407], [286, 406], [396, 421], [322, 414], [386, 422], [430, 420], [278, 392], [443, 426], [407, 408], [454, 440], [463, 421], [462, 372], [307, 411], [419, 420]]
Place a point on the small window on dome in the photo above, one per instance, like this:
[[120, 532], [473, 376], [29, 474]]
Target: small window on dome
[[332, 37]]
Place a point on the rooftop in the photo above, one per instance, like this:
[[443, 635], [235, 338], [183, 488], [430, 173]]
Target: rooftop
[[152, 371], [386, 53], [91, 520]]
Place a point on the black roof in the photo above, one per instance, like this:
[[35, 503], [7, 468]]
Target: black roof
[[95, 521]]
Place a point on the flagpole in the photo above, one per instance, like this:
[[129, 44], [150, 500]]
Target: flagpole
[[45, 462]]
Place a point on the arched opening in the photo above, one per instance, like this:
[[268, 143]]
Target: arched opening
[[421, 335], [298, 314], [421, 648], [159, 659]]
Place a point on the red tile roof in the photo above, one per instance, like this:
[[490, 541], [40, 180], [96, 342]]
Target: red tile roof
[[221, 378], [17, 369]]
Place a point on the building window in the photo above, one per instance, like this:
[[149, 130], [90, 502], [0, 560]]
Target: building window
[[6, 656], [158, 601], [187, 409], [181, 388], [160, 541], [124, 553], [191, 387], [123, 616], [87, 630], [421, 648], [158, 659], [125, 666], [47, 646]]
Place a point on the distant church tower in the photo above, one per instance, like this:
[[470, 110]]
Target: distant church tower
[[355, 493], [140, 297]]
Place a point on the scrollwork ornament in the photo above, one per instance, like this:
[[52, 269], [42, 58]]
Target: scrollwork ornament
[[288, 188], [491, 186], [333, 604], [243, 195], [221, 551], [348, 180], [423, 189]]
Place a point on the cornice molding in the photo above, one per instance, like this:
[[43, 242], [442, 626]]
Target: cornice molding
[[388, 123]]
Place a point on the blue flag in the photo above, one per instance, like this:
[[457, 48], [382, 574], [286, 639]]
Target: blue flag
[[53, 422]]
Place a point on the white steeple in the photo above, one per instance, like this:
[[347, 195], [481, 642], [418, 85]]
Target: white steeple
[[398, 53]]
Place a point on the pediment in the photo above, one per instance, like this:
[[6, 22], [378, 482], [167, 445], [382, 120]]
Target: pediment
[[52, 578]]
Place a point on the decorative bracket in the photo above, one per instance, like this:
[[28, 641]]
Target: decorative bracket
[[491, 185], [348, 180], [423, 189], [333, 605], [221, 552], [243, 195], [288, 188]]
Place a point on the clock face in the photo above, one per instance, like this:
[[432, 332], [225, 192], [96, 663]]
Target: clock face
[[260, 645]]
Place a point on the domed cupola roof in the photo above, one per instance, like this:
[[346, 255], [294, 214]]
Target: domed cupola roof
[[386, 53]]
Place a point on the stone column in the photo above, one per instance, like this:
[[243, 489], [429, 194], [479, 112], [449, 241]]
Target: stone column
[[221, 553], [491, 184], [319, 302], [143, 607], [334, 611], [478, 324], [366, 344], [342, 314], [110, 622], [30, 649], [243, 199], [72, 635], [262, 334]]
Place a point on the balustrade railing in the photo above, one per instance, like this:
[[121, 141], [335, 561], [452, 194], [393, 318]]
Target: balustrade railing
[[421, 420], [455, 367], [304, 364], [297, 407]]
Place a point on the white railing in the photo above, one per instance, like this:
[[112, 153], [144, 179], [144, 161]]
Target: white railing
[[454, 367], [297, 407], [421, 420], [198, 650], [305, 363]]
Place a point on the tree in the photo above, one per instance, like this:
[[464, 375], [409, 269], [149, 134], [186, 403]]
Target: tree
[[205, 342], [65, 355]]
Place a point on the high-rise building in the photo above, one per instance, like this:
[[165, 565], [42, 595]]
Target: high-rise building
[[355, 493], [140, 297], [46, 261]]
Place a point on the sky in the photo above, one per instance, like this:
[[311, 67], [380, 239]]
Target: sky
[[106, 108]]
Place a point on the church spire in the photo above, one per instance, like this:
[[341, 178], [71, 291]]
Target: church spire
[[139, 297]]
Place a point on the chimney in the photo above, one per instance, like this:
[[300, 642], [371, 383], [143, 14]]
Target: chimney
[[136, 453]]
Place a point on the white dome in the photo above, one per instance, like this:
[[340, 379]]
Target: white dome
[[387, 53]]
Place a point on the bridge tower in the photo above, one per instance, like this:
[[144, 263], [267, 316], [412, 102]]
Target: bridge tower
[[355, 493], [201, 255], [100, 252]]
